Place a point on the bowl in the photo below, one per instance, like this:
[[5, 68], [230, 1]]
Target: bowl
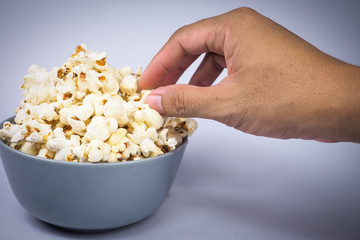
[[88, 196]]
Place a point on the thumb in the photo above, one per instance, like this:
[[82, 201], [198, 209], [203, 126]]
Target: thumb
[[182, 100]]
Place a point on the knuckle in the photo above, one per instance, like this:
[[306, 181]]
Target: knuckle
[[180, 104], [246, 10], [181, 32], [247, 16]]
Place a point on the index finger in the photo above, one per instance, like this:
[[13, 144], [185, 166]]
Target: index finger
[[183, 47]]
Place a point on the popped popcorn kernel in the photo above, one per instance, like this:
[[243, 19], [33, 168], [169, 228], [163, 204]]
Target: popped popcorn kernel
[[101, 62], [87, 111]]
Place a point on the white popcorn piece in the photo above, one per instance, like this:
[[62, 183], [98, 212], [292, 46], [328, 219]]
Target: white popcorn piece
[[168, 137], [44, 111], [191, 126], [129, 85], [80, 152], [88, 81], [9, 130], [139, 71], [34, 137], [98, 151], [117, 136], [80, 55], [37, 86], [64, 114], [99, 60], [149, 116], [29, 148], [112, 124], [184, 126], [130, 107], [125, 71], [97, 129], [112, 158], [22, 116], [66, 92], [96, 100], [77, 126], [131, 149], [37, 94], [86, 111], [144, 94], [114, 108], [141, 132], [148, 147], [33, 131], [62, 146], [95, 153], [43, 152], [56, 144], [76, 114], [18, 133], [110, 84]]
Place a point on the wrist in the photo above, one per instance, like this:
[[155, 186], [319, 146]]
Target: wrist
[[348, 107]]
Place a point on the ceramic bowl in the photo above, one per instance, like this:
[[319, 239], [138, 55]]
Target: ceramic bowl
[[88, 196]]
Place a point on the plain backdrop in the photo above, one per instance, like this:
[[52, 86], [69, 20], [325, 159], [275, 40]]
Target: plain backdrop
[[230, 185]]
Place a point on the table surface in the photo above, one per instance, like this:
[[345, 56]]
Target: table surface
[[230, 185]]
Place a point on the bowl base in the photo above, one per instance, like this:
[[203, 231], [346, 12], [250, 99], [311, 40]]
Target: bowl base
[[81, 230], [77, 230]]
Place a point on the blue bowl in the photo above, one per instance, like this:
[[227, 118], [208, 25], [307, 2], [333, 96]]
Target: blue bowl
[[87, 196]]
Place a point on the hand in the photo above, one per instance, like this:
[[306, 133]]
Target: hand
[[278, 85]]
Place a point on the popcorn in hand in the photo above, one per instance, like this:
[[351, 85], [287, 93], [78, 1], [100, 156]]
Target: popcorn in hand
[[87, 111]]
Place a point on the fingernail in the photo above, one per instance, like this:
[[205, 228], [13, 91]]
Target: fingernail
[[154, 102]]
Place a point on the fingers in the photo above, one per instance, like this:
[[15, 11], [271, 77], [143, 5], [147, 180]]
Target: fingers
[[209, 69], [183, 47], [185, 101], [176, 74]]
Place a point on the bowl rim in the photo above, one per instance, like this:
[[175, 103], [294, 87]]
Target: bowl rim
[[53, 161]]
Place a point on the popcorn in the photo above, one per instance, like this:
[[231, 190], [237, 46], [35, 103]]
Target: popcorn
[[37, 85], [125, 71], [141, 132], [96, 100], [149, 116], [114, 108], [13, 133], [44, 111], [43, 153], [62, 146], [148, 147], [129, 85], [29, 148], [168, 137], [87, 111], [98, 150], [97, 129], [111, 85], [77, 125], [117, 136]]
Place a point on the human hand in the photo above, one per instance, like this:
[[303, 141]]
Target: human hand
[[278, 85]]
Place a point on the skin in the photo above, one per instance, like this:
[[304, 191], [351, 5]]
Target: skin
[[277, 84]]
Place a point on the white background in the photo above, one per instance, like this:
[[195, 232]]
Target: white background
[[230, 185]]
